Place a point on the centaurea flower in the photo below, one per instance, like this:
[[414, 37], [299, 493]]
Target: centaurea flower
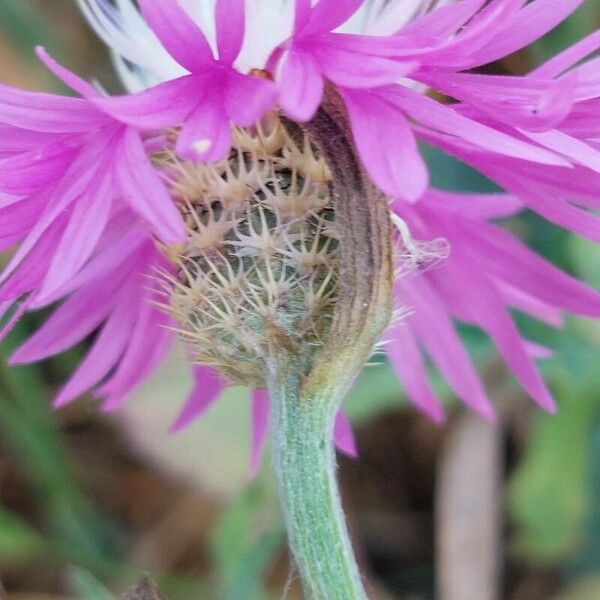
[[238, 193]]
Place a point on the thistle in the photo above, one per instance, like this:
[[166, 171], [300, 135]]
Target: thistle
[[260, 269]]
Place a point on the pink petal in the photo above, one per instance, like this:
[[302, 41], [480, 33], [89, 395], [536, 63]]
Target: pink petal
[[230, 20], [528, 304], [360, 71], [513, 262], [25, 272], [14, 140], [260, 427], [148, 344], [70, 187], [35, 170], [568, 146], [81, 236], [436, 332], [68, 325], [405, 357], [8, 199], [386, 145], [538, 351], [206, 391], [143, 189], [103, 355], [462, 49], [9, 242], [533, 104], [302, 11], [300, 85], [248, 98], [524, 27], [402, 47], [72, 80], [445, 20], [475, 206], [206, 135], [18, 218], [117, 260], [327, 15], [588, 80], [431, 113], [178, 33], [569, 57], [343, 436], [164, 105], [554, 207], [547, 198], [583, 122], [478, 302], [48, 113]]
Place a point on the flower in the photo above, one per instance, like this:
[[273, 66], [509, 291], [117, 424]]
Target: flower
[[211, 96], [120, 207], [496, 272]]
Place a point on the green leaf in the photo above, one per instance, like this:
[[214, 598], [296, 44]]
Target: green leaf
[[585, 589], [376, 391], [548, 492], [29, 427], [25, 27], [18, 541], [87, 587], [246, 541]]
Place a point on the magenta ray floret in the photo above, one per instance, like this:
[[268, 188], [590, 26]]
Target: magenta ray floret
[[427, 51], [211, 96], [91, 194]]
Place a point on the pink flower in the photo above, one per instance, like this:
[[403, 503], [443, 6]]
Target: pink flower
[[107, 296], [496, 272], [92, 206], [377, 78], [211, 96], [74, 169]]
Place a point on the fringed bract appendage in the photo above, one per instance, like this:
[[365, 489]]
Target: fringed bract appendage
[[289, 252]]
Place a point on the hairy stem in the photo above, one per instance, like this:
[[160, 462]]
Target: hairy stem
[[304, 460], [305, 400]]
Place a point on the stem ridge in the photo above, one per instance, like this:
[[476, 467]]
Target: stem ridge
[[304, 461], [305, 403]]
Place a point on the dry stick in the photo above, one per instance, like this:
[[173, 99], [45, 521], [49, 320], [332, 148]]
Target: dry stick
[[468, 511]]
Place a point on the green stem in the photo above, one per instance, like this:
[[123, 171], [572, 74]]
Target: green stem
[[305, 464]]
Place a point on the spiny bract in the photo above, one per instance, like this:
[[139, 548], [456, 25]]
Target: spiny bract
[[261, 260]]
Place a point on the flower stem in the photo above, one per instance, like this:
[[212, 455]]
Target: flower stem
[[305, 464], [307, 387]]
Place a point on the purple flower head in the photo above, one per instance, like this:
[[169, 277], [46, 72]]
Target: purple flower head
[[211, 96], [195, 202], [381, 80]]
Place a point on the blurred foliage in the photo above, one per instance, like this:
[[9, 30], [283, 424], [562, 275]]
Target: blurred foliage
[[28, 426], [548, 495], [87, 587], [18, 541], [245, 542]]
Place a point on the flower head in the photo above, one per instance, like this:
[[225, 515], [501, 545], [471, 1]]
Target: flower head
[[203, 201]]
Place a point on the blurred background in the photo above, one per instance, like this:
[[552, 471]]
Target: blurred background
[[464, 511]]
